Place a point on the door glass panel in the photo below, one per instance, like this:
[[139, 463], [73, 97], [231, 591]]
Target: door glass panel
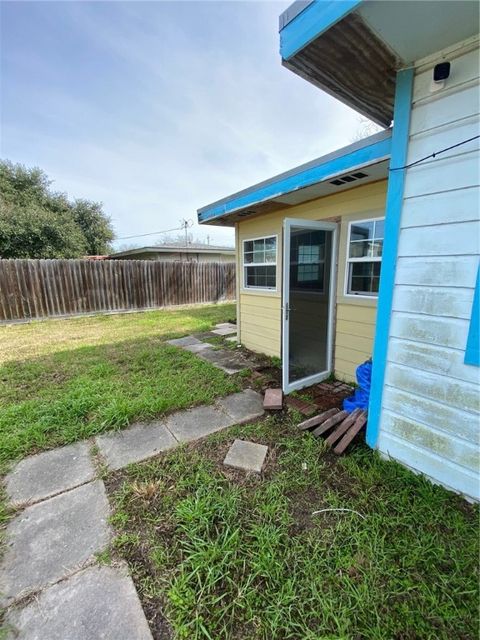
[[310, 264]]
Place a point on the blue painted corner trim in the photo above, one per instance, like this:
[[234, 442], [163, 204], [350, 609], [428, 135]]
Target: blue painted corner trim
[[311, 22], [472, 350], [396, 181]]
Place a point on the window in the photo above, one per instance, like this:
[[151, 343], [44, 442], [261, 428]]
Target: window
[[307, 260], [260, 263], [365, 247]]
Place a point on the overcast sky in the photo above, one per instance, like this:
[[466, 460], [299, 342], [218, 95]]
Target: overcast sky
[[157, 108]]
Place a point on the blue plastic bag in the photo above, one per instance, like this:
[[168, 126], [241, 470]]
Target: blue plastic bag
[[360, 399]]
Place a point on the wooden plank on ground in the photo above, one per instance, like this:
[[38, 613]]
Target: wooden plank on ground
[[313, 422], [331, 422], [342, 428], [351, 433]]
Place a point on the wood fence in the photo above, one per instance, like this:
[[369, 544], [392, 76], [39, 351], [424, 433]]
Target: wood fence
[[32, 289]]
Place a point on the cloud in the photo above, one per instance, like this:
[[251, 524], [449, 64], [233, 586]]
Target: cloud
[[158, 108]]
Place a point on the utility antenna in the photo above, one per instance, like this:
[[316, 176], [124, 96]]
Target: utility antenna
[[186, 224]]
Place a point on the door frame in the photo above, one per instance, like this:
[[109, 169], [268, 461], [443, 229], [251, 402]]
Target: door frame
[[288, 223]]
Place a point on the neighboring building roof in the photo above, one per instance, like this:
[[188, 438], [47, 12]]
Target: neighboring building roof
[[176, 248], [323, 176], [352, 49]]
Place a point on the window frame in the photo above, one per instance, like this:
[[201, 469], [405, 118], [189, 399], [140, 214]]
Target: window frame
[[245, 286], [305, 290], [348, 260]]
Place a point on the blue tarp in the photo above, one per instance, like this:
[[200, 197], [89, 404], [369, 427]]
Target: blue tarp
[[360, 399]]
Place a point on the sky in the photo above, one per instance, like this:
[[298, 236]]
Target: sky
[[157, 108]]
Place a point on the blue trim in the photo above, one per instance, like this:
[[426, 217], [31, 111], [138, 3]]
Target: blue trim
[[311, 22], [396, 181], [307, 177], [472, 350]]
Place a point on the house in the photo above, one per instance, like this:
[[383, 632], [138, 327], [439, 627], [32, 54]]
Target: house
[[193, 252], [373, 250]]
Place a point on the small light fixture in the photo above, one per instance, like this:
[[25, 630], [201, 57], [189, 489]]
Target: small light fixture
[[441, 71]]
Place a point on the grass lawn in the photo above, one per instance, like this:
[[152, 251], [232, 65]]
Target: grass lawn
[[216, 554], [66, 380]]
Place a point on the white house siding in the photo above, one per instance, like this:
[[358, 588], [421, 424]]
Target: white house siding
[[430, 417]]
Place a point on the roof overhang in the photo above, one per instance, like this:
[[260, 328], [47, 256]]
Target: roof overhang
[[324, 176], [352, 49], [160, 250]]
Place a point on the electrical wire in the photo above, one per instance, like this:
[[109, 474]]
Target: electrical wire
[[434, 154], [153, 233], [186, 225]]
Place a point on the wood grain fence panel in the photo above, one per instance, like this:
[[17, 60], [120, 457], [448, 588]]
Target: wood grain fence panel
[[4, 285], [31, 289]]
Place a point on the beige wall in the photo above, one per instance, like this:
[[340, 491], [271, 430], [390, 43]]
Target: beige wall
[[259, 317]]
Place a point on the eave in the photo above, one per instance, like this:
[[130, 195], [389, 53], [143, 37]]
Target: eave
[[352, 49], [306, 182], [162, 250]]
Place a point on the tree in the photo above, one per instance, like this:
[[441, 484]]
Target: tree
[[31, 231], [95, 225], [36, 222], [365, 128]]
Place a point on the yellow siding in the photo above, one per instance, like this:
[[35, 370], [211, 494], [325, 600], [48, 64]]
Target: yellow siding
[[354, 332], [260, 322]]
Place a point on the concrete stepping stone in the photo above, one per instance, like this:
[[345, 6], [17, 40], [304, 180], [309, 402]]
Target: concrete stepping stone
[[96, 603], [47, 474], [188, 341], [244, 406], [195, 348], [226, 325], [232, 339], [224, 360], [197, 423], [226, 330], [204, 335], [247, 456], [138, 442], [49, 540]]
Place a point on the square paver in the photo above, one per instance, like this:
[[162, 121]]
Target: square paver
[[138, 442], [245, 455], [224, 360], [273, 400], [51, 539], [46, 474], [197, 423], [195, 348], [226, 325], [225, 331], [184, 342], [97, 603], [244, 406]]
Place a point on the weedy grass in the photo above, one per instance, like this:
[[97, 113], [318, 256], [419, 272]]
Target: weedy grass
[[218, 554], [66, 380]]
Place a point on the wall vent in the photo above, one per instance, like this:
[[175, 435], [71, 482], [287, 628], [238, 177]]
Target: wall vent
[[358, 175]]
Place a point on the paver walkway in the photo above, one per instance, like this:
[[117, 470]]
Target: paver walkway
[[227, 360], [50, 583]]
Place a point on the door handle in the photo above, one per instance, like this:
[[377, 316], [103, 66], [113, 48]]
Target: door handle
[[288, 308]]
